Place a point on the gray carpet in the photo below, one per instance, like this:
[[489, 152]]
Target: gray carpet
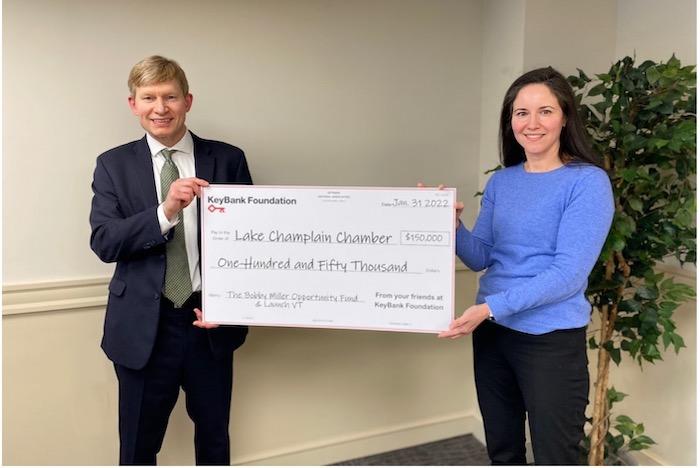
[[460, 450]]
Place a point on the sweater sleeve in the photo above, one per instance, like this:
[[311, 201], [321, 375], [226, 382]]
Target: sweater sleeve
[[474, 248], [582, 231]]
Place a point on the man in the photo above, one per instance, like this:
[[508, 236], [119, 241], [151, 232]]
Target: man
[[144, 219]]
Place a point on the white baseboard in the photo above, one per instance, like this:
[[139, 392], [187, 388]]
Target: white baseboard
[[362, 444], [648, 458]]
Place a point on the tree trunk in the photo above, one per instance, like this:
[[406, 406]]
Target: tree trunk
[[601, 410], [596, 454]]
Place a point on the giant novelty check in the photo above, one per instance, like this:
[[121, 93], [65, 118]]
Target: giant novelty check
[[330, 257]]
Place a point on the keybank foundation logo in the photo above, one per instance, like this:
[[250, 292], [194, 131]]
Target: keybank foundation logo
[[216, 203]]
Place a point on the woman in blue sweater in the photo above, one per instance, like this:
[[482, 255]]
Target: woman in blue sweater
[[543, 221]]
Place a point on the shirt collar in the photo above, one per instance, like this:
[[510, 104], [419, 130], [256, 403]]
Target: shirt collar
[[185, 145]]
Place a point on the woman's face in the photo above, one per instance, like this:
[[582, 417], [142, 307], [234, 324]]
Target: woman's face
[[537, 121]]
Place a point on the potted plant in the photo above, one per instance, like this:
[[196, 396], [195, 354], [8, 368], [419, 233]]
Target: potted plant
[[642, 121]]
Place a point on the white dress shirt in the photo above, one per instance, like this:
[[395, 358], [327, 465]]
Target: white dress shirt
[[183, 158]]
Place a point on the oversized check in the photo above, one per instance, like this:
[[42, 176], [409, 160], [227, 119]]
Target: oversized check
[[330, 257]]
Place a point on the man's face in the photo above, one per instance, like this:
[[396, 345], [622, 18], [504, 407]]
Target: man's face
[[161, 108]]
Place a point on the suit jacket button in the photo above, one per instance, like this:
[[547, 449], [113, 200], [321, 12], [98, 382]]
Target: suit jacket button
[[156, 296]]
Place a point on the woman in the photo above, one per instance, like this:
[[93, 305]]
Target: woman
[[543, 221]]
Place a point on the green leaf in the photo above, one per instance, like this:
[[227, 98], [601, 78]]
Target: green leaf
[[613, 396], [647, 293], [653, 104], [601, 107], [668, 324], [623, 419], [650, 352], [673, 62], [576, 83], [629, 127], [617, 442], [677, 341], [615, 355], [640, 443], [625, 344], [658, 142], [630, 305], [683, 218], [636, 204], [639, 429], [625, 429], [649, 317], [597, 90], [582, 75], [666, 108], [625, 225], [653, 74], [628, 174], [669, 73], [628, 84], [679, 290], [666, 339], [618, 244], [666, 308], [646, 440], [635, 346]]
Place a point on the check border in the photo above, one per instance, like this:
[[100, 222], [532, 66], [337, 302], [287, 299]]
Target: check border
[[204, 242]]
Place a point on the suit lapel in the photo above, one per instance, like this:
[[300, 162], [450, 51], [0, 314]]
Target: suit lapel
[[204, 160], [144, 172], [204, 164]]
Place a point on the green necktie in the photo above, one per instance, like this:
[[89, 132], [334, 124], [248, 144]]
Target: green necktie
[[178, 284]]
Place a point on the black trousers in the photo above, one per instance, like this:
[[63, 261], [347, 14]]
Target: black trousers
[[545, 376], [181, 357]]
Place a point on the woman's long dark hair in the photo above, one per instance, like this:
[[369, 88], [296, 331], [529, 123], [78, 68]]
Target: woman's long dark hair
[[574, 145]]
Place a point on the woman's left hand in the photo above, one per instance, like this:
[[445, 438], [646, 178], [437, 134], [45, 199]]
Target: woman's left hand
[[470, 319]]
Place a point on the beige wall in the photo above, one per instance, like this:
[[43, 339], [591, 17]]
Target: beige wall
[[570, 34], [503, 30], [335, 92], [653, 29], [316, 92]]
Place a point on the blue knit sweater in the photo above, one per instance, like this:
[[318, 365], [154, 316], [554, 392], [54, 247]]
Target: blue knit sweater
[[538, 236]]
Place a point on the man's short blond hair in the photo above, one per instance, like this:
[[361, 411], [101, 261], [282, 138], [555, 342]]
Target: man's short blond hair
[[156, 69]]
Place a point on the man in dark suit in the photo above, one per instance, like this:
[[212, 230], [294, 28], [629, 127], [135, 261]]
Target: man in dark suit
[[143, 219]]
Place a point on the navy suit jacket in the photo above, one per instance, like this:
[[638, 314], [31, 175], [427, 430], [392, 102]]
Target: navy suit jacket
[[125, 230]]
